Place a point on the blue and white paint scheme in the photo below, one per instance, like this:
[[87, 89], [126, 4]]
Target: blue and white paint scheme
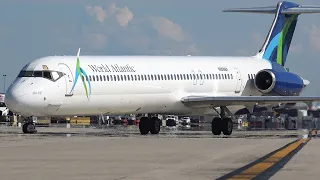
[[184, 85]]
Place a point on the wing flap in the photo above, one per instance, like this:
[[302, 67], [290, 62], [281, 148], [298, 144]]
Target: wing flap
[[214, 101]]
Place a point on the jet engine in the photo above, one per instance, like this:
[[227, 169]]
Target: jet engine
[[271, 82]]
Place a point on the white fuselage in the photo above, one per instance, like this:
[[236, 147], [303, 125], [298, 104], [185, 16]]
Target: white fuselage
[[131, 84]]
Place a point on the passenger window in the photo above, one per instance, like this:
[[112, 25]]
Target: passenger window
[[148, 77], [138, 77], [178, 78], [181, 77], [90, 78], [94, 79], [219, 76], [187, 76], [151, 77], [104, 78]]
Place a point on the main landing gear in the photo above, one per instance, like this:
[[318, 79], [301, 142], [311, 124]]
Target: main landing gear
[[29, 126], [222, 124], [147, 124]]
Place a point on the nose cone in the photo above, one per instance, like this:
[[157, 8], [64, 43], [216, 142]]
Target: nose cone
[[15, 100]]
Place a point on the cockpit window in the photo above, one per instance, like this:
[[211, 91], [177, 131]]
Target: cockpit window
[[47, 74], [55, 75], [51, 75], [25, 74], [37, 74]]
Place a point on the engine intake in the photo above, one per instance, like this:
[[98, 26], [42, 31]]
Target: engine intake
[[273, 82]]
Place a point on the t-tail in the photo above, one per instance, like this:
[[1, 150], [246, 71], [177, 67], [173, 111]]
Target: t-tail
[[277, 43]]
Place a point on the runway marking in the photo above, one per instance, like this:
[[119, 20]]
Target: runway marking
[[268, 165]]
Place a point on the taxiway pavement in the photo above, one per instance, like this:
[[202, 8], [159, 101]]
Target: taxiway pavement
[[86, 153]]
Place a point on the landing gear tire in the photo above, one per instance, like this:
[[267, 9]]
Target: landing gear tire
[[29, 128], [219, 125], [227, 126], [154, 125], [216, 126], [144, 126]]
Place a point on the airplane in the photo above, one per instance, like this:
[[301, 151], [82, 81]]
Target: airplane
[[184, 85]]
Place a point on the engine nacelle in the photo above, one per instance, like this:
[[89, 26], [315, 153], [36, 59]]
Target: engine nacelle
[[271, 82]]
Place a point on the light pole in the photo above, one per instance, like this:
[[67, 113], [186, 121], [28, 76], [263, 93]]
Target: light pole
[[4, 83]]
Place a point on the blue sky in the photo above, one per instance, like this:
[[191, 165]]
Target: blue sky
[[35, 28]]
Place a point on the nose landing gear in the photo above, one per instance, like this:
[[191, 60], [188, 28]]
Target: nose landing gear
[[29, 126]]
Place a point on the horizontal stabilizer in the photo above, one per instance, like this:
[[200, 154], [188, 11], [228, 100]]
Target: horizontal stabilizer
[[263, 10], [302, 10], [273, 9]]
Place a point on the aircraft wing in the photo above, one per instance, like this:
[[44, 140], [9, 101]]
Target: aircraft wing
[[216, 101]]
